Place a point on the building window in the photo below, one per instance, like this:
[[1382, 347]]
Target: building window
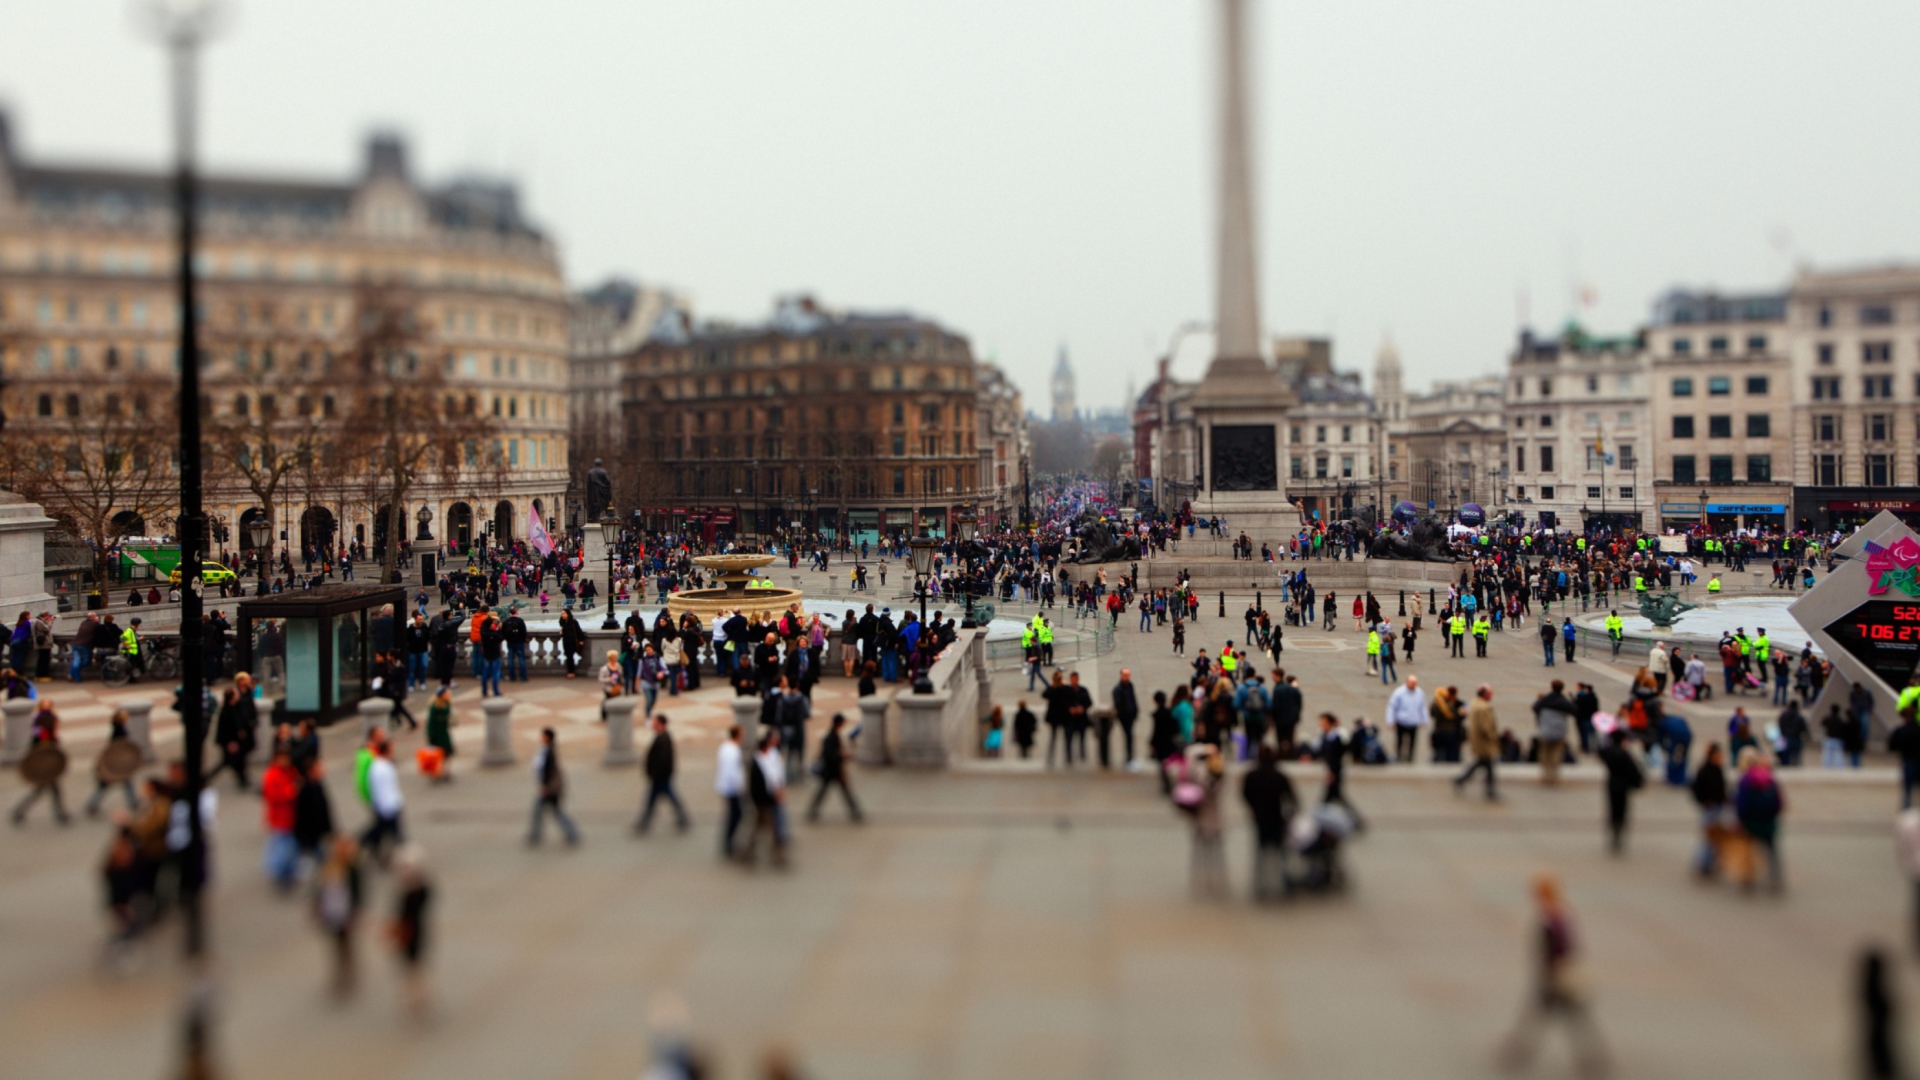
[[1877, 470], [1719, 427], [1346, 432], [1759, 468], [899, 445], [1320, 467], [1593, 384], [1299, 469], [44, 406], [1826, 470], [1825, 316], [1757, 343], [1876, 315], [1824, 353], [1877, 427], [1720, 469], [1346, 467], [1626, 493], [1876, 386], [1826, 428], [1520, 459], [1320, 433], [1683, 388], [1593, 492], [1683, 469], [1546, 460], [1546, 420], [1393, 470], [1826, 388], [1757, 385], [1546, 387], [1759, 425], [1720, 386], [1293, 434], [1626, 456], [1717, 346], [1546, 493], [1876, 352], [1682, 346], [1623, 419], [899, 481], [1593, 419]]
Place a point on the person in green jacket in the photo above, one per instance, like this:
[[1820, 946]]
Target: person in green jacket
[[440, 727], [1616, 631]]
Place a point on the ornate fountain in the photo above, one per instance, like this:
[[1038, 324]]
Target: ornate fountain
[[734, 573]]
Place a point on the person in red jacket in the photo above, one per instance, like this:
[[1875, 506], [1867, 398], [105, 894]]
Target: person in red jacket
[[279, 791]]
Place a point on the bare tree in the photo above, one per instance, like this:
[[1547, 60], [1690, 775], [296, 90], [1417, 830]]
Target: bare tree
[[99, 460], [404, 421], [271, 414]]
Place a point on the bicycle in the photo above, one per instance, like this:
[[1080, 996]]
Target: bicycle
[[161, 663]]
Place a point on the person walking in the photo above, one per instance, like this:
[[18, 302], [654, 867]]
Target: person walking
[[234, 732], [279, 797], [440, 731], [407, 930], [1710, 796], [1623, 778], [1333, 754], [1553, 715], [660, 767], [1549, 636], [379, 784], [1758, 803], [337, 896], [730, 783], [767, 788], [116, 733], [1568, 637], [1126, 710], [550, 787], [832, 766], [1270, 799], [1557, 991], [1483, 741], [1407, 714]]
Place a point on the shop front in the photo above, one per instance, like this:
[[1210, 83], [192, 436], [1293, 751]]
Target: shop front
[[1822, 509], [1757, 508], [863, 526]]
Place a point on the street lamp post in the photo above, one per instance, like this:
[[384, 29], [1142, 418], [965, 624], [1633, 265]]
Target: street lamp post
[[183, 26], [262, 532], [923, 547], [610, 532], [966, 525]]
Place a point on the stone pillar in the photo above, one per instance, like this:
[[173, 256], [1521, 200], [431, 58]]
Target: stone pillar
[[618, 714], [140, 728], [873, 729], [983, 674], [23, 530], [19, 728], [373, 714], [593, 565], [746, 713], [923, 737], [499, 750]]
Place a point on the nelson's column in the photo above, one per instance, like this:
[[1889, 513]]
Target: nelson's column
[[1240, 408]]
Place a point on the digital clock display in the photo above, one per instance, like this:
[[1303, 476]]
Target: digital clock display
[[1884, 635]]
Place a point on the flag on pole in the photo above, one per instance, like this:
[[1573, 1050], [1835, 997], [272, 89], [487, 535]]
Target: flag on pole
[[537, 533]]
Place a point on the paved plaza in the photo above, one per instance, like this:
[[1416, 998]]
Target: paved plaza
[[993, 920]]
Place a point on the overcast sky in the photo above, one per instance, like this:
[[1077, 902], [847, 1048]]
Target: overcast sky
[[1039, 172]]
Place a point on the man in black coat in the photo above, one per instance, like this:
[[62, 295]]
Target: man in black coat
[[1126, 709], [833, 772], [419, 642], [1623, 776], [766, 661], [660, 766], [1284, 706], [446, 646], [1269, 797]]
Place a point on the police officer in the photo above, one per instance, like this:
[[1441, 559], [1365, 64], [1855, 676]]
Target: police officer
[[1457, 629], [1481, 627], [1616, 631]]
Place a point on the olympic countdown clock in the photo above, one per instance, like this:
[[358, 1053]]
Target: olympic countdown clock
[[1865, 613]]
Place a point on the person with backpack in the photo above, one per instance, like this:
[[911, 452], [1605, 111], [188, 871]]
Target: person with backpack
[[1758, 803], [550, 787]]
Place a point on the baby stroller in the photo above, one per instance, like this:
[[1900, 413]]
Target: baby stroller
[[1316, 838]]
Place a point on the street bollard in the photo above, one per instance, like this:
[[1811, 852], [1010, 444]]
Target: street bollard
[[499, 711], [1259, 601], [374, 712], [19, 728], [746, 714], [1403, 603], [618, 714], [140, 728], [873, 730], [1223, 603]]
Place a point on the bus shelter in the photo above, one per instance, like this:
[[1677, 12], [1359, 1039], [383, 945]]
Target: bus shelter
[[321, 643]]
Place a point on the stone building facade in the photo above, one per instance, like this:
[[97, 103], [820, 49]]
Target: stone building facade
[[88, 301], [1578, 429], [864, 424]]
